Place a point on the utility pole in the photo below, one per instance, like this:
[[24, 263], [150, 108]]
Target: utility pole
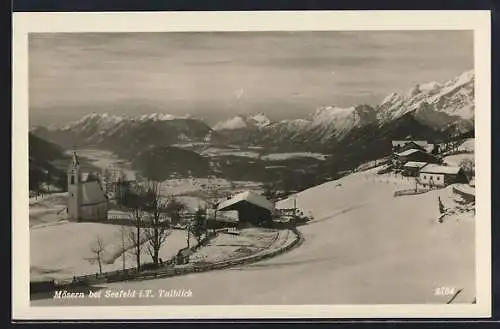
[[295, 206], [188, 227], [123, 247]]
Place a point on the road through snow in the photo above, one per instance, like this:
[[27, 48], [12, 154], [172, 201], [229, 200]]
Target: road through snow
[[389, 250]]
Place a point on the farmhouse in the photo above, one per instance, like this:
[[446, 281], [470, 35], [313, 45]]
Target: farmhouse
[[415, 155], [86, 199], [403, 145], [436, 175], [412, 168], [253, 209]]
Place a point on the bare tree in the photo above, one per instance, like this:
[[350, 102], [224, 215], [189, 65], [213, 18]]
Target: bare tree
[[107, 181], [97, 248], [132, 197], [159, 227], [174, 209], [123, 248], [198, 226]]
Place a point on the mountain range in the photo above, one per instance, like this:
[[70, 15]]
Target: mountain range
[[362, 132]]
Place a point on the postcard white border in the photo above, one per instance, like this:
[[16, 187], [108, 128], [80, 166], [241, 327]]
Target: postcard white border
[[24, 23]]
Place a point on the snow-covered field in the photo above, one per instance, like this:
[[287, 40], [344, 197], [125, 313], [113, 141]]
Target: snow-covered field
[[286, 156], [468, 145], [364, 247], [59, 249], [456, 159], [107, 160], [49, 209], [228, 246], [68, 257], [214, 152], [206, 186]]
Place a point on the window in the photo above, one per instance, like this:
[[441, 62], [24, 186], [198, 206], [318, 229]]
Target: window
[[72, 180], [437, 178], [425, 177]]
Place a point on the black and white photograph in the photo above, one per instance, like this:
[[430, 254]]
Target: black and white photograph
[[212, 168]]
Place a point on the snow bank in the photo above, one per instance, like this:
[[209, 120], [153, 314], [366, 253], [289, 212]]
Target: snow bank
[[454, 160]]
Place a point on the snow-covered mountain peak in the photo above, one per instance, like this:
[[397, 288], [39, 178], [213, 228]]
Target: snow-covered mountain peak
[[160, 117], [391, 98], [236, 122], [413, 91], [337, 121], [463, 78], [259, 119], [101, 120], [430, 86], [436, 101]]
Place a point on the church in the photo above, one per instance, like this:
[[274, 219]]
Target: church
[[86, 198]]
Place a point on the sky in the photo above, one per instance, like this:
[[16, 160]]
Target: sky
[[216, 75]]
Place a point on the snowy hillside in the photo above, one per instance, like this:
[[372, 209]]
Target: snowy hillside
[[363, 247]]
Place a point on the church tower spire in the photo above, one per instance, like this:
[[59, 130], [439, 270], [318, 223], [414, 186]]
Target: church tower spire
[[74, 188]]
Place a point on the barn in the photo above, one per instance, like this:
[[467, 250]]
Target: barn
[[439, 176], [403, 145], [253, 209], [415, 155]]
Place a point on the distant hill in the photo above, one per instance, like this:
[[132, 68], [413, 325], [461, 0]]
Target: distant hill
[[46, 164], [163, 162], [125, 136]]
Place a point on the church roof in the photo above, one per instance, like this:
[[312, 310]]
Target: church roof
[[92, 193]]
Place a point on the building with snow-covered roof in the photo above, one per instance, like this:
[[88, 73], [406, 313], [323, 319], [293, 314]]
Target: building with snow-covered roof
[[436, 175], [413, 155], [86, 198], [412, 168], [403, 145], [252, 208]]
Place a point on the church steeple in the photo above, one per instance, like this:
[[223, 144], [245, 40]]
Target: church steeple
[[76, 162], [74, 188]]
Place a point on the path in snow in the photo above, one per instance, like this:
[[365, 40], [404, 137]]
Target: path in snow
[[390, 250]]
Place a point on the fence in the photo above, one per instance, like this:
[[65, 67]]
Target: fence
[[166, 271], [467, 196], [411, 192]]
